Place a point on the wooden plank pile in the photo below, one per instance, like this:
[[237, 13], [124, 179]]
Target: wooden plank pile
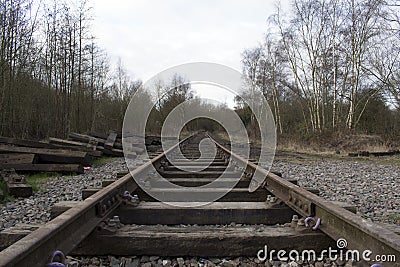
[[56, 155], [35, 156], [69, 156], [109, 145]]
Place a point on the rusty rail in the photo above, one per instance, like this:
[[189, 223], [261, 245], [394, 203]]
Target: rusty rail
[[336, 222], [66, 231]]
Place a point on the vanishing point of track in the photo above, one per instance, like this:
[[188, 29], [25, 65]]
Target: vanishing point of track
[[149, 227]]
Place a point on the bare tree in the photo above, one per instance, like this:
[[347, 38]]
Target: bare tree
[[362, 28], [251, 60], [17, 25], [306, 41]]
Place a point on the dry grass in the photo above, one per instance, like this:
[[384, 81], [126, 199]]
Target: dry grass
[[338, 149], [385, 160], [375, 148]]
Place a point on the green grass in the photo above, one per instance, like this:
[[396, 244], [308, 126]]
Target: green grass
[[102, 160], [394, 217], [38, 178]]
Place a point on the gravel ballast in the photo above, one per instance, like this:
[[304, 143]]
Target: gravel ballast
[[373, 188], [36, 209]]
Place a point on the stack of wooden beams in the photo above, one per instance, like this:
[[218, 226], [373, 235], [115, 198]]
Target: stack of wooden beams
[[68, 156], [111, 144], [35, 156], [108, 144]]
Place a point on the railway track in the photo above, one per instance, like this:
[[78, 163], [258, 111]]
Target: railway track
[[241, 223]]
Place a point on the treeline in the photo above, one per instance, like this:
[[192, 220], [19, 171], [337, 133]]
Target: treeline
[[54, 78], [329, 66], [177, 94]]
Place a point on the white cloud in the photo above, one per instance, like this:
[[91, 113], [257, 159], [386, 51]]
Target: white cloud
[[150, 31], [152, 35]]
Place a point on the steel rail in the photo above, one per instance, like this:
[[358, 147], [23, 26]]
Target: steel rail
[[337, 222], [67, 230]]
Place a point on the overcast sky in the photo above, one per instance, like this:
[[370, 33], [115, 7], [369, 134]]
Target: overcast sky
[[152, 35]]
